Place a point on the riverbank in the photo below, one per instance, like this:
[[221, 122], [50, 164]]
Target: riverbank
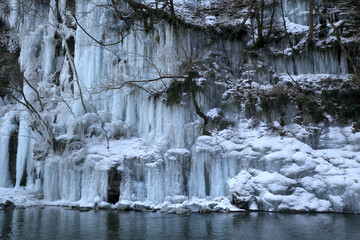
[[178, 204], [22, 198]]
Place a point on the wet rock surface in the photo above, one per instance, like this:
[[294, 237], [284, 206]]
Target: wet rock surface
[[8, 205]]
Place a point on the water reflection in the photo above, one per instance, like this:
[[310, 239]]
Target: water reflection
[[6, 219], [59, 223]]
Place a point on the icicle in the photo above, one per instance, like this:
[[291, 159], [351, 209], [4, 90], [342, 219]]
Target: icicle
[[24, 158], [6, 130], [50, 42], [13, 12], [51, 178]]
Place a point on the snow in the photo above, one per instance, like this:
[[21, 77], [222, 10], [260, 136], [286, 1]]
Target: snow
[[300, 178], [210, 20], [19, 196], [294, 28], [213, 113]]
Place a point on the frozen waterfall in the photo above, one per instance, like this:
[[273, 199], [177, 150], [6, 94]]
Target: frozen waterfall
[[156, 148]]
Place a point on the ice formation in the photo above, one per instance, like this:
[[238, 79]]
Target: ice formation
[[156, 152]]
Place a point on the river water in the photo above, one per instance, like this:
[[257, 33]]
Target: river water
[[60, 223]]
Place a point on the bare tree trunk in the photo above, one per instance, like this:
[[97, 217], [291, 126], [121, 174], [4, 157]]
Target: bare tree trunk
[[259, 14], [172, 9], [338, 37], [271, 19], [311, 21], [288, 38], [73, 67], [192, 87]]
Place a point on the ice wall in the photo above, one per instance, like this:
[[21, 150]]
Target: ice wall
[[141, 56], [155, 146]]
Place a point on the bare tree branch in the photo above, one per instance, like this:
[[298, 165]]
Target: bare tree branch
[[338, 37]]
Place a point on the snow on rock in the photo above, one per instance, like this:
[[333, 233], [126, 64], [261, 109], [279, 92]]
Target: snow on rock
[[19, 196], [214, 113], [297, 177]]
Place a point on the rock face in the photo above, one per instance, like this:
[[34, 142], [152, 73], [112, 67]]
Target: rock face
[[12, 157], [114, 179], [8, 205], [240, 202], [10, 69], [214, 103]]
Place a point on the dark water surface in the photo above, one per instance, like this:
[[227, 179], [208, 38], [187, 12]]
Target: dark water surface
[[59, 223]]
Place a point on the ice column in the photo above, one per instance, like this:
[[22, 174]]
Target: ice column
[[51, 178], [24, 158], [5, 134]]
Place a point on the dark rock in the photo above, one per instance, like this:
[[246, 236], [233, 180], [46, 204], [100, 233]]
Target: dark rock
[[212, 205], [149, 210], [39, 196], [226, 210], [140, 207], [215, 209], [124, 207], [9, 65], [240, 202], [84, 209], [181, 211], [13, 144], [194, 207], [98, 206], [7, 205], [114, 179], [60, 145], [204, 209]]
